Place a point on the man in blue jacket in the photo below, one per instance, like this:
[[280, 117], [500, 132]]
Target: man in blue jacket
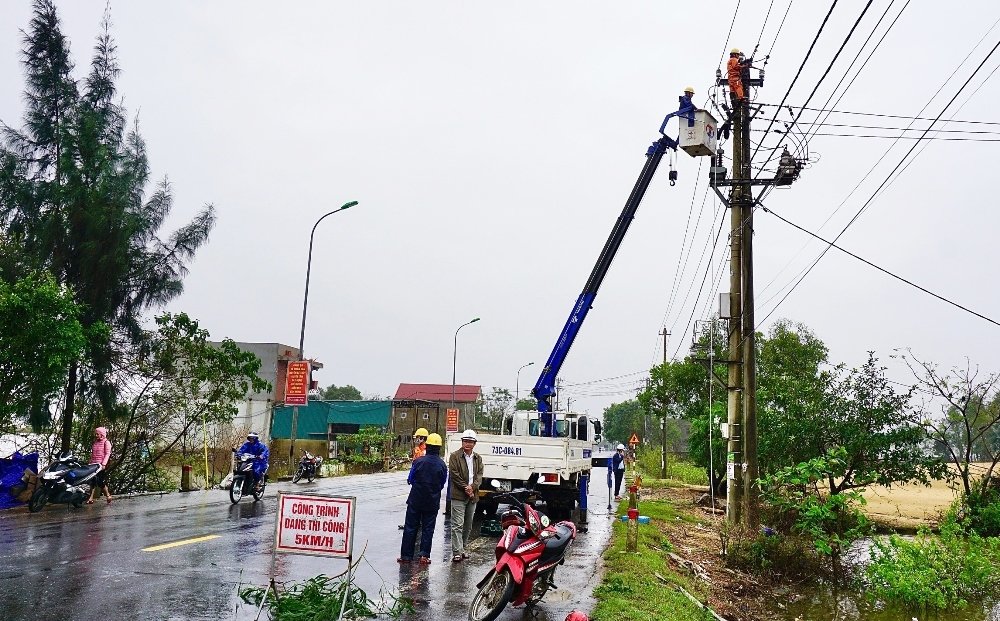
[[258, 449], [427, 477]]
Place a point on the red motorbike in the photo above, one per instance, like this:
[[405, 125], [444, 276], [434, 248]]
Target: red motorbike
[[527, 555]]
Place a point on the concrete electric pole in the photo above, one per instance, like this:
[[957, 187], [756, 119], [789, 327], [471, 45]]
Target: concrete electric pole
[[742, 469]]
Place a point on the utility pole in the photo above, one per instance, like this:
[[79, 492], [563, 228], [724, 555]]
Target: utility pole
[[734, 469], [664, 334], [742, 467], [749, 429]]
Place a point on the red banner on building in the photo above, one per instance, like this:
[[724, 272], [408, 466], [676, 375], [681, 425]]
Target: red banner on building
[[297, 383], [451, 421]]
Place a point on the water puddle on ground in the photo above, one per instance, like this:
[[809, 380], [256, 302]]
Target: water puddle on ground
[[825, 603]]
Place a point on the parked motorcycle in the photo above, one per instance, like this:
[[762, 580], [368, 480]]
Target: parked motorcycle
[[527, 556], [243, 483], [308, 467], [65, 480]]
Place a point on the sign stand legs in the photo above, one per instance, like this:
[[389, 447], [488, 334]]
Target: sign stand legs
[[347, 587]]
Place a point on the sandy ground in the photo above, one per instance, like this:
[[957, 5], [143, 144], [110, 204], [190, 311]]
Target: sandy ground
[[910, 506]]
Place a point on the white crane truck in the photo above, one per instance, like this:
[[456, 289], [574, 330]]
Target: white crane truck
[[521, 457]]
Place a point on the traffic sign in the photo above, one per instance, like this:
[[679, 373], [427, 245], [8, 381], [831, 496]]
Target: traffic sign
[[634, 439]]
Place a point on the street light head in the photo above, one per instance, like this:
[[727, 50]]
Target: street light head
[[530, 363], [349, 205], [474, 320]]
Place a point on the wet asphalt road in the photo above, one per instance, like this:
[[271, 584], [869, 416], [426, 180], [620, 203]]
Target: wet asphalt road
[[64, 563]]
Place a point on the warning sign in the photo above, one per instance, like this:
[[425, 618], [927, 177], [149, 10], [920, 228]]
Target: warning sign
[[315, 524], [451, 421], [634, 439], [297, 383]]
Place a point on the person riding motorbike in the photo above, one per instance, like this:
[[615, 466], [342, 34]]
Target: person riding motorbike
[[258, 449]]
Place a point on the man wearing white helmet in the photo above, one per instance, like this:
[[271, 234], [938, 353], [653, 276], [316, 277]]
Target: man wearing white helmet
[[618, 465], [465, 469]]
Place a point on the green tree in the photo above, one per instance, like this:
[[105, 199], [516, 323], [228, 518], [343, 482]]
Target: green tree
[[177, 381], [40, 333], [623, 419], [966, 427], [527, 403], [496, 404], [341, 393], [73, 201], [807, 408], [794, 380]]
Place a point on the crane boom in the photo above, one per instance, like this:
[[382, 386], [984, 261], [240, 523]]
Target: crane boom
[[545, 387]]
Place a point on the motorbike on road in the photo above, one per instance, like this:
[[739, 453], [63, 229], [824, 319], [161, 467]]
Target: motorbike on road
[[65, 480], [243, 479], [527, 555], [308, 467]]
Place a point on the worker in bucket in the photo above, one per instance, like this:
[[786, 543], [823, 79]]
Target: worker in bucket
[[686, 109]]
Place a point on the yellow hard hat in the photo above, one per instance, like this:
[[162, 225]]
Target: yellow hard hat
[[421, 432], [689, 89], [434, 440], [735, 50]]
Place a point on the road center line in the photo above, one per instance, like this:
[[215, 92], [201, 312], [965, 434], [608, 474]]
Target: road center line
[[182, 542]]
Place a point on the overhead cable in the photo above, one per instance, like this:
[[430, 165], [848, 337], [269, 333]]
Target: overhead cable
[[881, 269], [888, 178]]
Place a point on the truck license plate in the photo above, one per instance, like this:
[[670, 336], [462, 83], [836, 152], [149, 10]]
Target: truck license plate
[[504, 486]]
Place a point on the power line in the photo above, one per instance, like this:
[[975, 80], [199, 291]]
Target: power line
[[877, 163], [942, 139], [881, 269], [780, 26], [886, 116], [860, 51], [885, 181], [829, 67], [801, 67]]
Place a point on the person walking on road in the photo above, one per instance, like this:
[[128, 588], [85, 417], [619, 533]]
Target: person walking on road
[[420, 443], [427, 477], [618, 465], [465, 469], [100, 453]]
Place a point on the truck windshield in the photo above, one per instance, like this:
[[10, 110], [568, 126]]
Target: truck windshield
[[561, 428]]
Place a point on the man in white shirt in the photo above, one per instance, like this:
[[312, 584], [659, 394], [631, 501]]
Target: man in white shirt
[[465, 469]]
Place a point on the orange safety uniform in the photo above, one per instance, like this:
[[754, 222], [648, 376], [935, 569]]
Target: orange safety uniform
[[733, 69], [419, 450]]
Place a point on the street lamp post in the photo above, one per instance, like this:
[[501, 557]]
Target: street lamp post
[[305, 298], [454, 360], [517, 386], [302, 331]]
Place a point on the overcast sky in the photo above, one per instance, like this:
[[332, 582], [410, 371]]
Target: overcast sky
[[491, 147]]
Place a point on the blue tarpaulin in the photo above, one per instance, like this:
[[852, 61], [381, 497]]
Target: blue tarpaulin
[[11, 471]]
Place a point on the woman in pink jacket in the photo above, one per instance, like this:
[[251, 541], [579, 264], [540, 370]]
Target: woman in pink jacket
[[99, 454]]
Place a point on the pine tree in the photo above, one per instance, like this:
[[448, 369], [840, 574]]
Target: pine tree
[[73, 200]]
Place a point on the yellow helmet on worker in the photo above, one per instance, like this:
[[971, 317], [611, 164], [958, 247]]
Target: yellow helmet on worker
[[735, 51], [689, 89], [422, 432], [434, 440]]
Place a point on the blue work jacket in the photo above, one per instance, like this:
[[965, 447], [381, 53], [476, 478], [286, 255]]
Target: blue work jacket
[[427, 477]]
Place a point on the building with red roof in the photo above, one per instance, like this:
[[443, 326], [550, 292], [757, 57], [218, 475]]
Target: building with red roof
[[426, 405]]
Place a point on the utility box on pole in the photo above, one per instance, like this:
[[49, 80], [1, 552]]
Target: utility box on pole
[[699, 137]]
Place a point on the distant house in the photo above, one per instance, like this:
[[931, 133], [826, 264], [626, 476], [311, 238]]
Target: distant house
[[257, 410], [426, 405]]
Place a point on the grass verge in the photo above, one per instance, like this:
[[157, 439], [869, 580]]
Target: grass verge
[[631, 590]]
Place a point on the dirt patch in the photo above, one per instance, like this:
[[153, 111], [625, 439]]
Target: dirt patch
[[735, 595]]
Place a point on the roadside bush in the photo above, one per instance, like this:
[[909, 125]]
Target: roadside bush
[[979, 510], [678, 469], [788, 555], [831, 521], [934, 572]]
